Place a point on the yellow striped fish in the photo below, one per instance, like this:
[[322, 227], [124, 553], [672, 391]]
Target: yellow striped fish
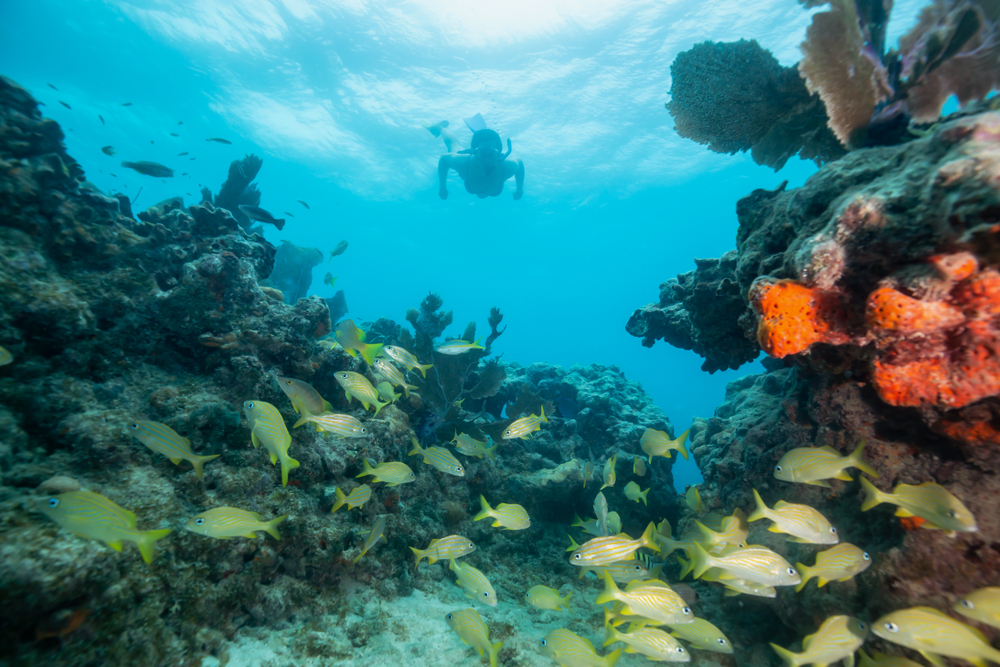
[[609, 471], [267, 427], [544, 597], [357, 386], [374, 538], [838, 638], [399, 355], [601, 515], [5, 356], [929, 501], [803, 523], [304, 397], [340, 424], [635, 494], [934, 634], [753, 563], [668, 545], [224, 523], [693, 499], [734, 530], [703, 635], [525, 426], [506, 515], [655, 644], [352, 339], [815, 465], [839, 563], [89, 514], [735, 586], [392, 473], [883, 660], [358, 497], [466, 444], [982, 605], [606, 550], [444, 548], [389, 372], [458, 346], [651, 599], [439, 457], [471, 629], [569, 649], [386, 392], [658, 443], [623, 571], [164, 440], [588, 471], [475, 583], [614, 523]]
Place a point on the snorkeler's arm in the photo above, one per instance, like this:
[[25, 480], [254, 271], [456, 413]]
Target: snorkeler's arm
[[444, 164], [518, 177]]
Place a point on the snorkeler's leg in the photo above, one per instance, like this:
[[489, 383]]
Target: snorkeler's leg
[[440, 129], [444, 163], [514, 167]]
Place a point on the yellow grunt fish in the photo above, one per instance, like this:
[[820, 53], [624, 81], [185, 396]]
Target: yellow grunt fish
[[305, 399], [523, 427], [756, 564], [439, 457], [654, 600], [392, 473], [466, 444], [632, 492], [609, 471], [653, 643], [658, 443], [352, 339], [543, 597], [569, 649], [225, 523], [838, 638], [982, 605], [639, 466], [883, 660], [733, 531], [702, 635], [164, 440], [600, 514], [606, 550], [591, 526], [693, 499], [386, 392], [5, 356], [444, 548], [340, 424], [623, 572], [739, 586], [358, 497], [91, 515], [668, 545], [475, 583], [267, 427], [588, 470], [815, 465], [840, 563], [399, 355], [929, 501], [934, 634], [509, 516], [357, 386], [471, 629], [373, 538], [386, 370], [614, 523], [458, 346], [805, 524]]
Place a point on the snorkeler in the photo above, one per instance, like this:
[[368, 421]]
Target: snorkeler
[[484, 167]]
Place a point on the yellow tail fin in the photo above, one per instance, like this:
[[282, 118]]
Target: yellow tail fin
[[761, 511], [805, 573], [199, 461], [485, 511], [287, 464], [542, 414], [873, 496], [700, 560], [341, 499], [681, 439], [419, 554], [858, 461], [611, 658], [492, 452], [369, 351], [647, 539], [416, 451], [790, 659], [494, 652], [272, 526], [367, 470], [611, 591], [146, 541]]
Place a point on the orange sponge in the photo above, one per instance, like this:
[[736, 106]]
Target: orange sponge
[[793, 316], [980, 295], [890, 310]]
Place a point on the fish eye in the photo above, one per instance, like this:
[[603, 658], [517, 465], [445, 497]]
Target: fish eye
[[686, 611], [721, 642], [892, 627], [343, 375], [364, 430], [866, 556], [250, 404], [680, 649], [486, 593], [133, 426], [833, 530], [791, 571], [450, 616], [638, 568], [53, 502], [968, 604], [411, 474], [199, 521], [952, 513], [777, 468], [577, 556], [861, 625], [288, 382], [508, 433], [545, 642]]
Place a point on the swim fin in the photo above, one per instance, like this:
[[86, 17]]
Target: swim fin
[[475, 123]]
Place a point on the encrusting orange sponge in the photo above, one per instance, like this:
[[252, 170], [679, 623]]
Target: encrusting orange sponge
[[890, 310], [793, 317]]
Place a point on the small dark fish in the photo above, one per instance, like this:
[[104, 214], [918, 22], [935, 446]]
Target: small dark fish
[[65, 105], [102, 118], [151, 141], [127, 104], [174, 134], [258, 214], [108, 150], [191, 158], [184, 174], [289, 214], [53, 87], [302, 202], [115, 175], [568, 409], [220, 141], [180, 154], [329, 279], [189, 194], [180, 122], [150, 169]]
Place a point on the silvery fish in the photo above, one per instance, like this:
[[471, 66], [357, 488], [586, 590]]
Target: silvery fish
[[475, 583], [634, 493], [605, 550], [343, 425], [401, 356], [639, 466], [601, 512], [815, 465], [358, 497], [804, 523], [469, 446], [614, 523], [756, 564], [838, 638], [392, 473], [305, 399], [934, 634], [735, 586], [655, 644], [374, 538], [444, 548], [267, 427], [439, 457], [734, 530], [453, 347], [164, 440], [471, 629], [224, 523], [982, 605], [89, 514], [509, 516], [386, 392], [357, 386], [523, 427], [392, 374], [338, 250], [623, 571], [928, 501], [839, 563], [609, 471], [571, 650], [651, 599], [702, 635], [658, 443], [591, 526], [693, 499], [544, 597]]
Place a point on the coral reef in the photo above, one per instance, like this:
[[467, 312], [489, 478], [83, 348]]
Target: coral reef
[[292, 272]]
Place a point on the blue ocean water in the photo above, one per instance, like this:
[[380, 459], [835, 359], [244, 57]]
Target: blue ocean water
[[332, 95]]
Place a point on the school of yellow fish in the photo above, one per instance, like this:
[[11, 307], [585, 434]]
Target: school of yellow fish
[[716, 551]]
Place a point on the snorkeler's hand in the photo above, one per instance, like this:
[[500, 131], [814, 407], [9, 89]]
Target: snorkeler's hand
[[443, 192], [518, 194]]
